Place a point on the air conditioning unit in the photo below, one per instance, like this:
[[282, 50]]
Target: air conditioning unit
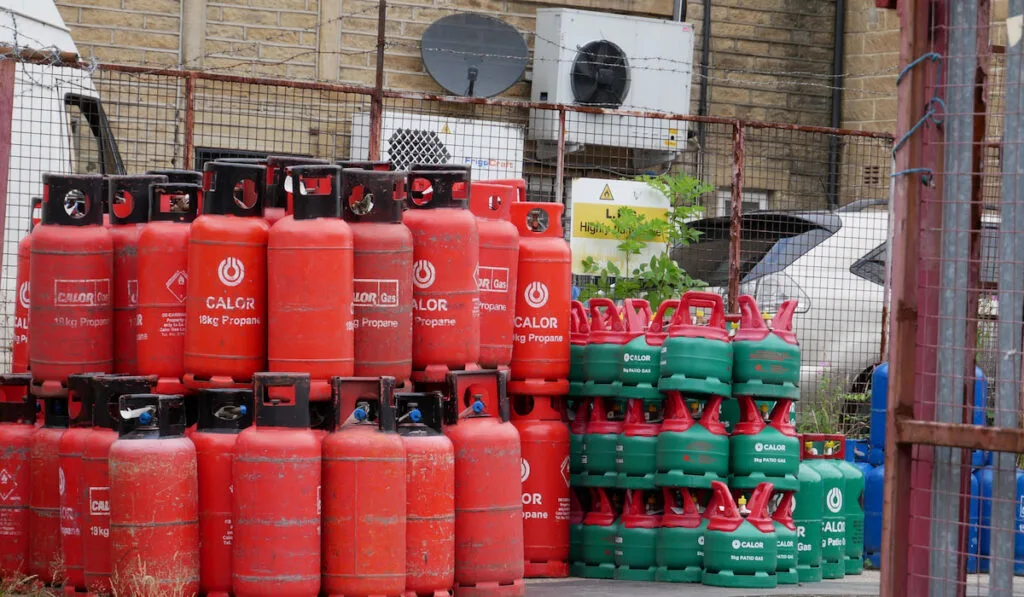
[[607, 60], [493, 149]]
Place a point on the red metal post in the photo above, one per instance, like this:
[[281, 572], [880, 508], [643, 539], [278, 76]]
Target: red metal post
[[908, 473], [190, 121], [7, 68], [736, 215], [560, 159], [377, 98]]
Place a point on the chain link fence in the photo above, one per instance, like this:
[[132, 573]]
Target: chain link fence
[[811, 223]]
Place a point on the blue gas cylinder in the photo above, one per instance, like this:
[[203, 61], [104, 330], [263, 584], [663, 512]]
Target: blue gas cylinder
[[864, 468], [873, 498], [879, 401], [980, 457], [974, 512], [984, 477]]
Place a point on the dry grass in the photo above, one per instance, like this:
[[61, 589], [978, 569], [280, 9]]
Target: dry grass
[[136, 582], [28, 586]]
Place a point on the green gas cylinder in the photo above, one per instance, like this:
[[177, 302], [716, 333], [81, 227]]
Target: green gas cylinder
[[853, 508], [600, 444], [740, 552], [764, 451], [680, 547], [597, 538], [697, 355], [691, 453], [785, 536], [577, 434], [579, 335], [833, 518], [807, 512], [766, 362], [641, 356], [577, 513], [602, 356], [635, 547], [636, 457]]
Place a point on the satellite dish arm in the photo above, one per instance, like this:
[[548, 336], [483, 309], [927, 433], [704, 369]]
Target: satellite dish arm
[[472, 75]]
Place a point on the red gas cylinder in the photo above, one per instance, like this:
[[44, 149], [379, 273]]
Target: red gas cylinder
[[19, 343], [430, 495], [544, 441], [277, 533], [17, 425], [223, 414], [488, 497], [44, 500], [106, 419], [280, 186], [364, 472], [519, 184], [226, 299], [540, 353], [382, 287], [179, 176], [70, 283], [496, 275], [366, 165], [129, 212], [309, 295], [72, 504], [163, 281], [154, 499], [446, 300]]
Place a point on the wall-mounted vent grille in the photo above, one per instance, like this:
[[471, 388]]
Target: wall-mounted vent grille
[[416, 146]]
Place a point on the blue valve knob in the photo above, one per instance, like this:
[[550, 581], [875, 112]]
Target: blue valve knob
[[359, 414], [145, 418], [243, 410], [478, 407], [415, 415]]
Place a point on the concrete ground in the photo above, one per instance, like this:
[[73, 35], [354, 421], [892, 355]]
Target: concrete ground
[[864, 585]]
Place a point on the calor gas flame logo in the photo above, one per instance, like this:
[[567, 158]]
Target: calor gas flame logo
[[23, 295], [231, 271], [524, 470], [423, 274], [834, 500], [536, 294]]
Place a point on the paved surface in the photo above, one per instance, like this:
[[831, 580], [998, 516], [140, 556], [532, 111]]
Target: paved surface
[[864, 585]]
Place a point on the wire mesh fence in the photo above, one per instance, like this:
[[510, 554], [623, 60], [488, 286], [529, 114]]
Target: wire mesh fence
[[812, 221]]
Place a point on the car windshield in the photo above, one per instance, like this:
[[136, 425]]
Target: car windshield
[[769, 243]]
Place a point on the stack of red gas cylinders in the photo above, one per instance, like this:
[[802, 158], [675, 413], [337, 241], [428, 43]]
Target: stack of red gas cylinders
[[273, 337]]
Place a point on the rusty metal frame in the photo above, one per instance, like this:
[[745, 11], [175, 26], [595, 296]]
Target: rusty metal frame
[[7, 77], [906, 244], [736, 214]]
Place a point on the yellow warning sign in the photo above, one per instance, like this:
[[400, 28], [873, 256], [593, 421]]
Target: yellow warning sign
[[445, 130], [606, 194], [589, 218]]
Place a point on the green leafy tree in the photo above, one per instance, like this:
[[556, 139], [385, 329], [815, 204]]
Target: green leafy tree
[[660, 277]]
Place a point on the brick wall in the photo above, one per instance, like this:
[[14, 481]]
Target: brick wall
[[125, 31], [872, 57]]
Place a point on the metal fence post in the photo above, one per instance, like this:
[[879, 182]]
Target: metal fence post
[[377, 98], [190, 121], [7, 68], [560, 160], [736, 215]]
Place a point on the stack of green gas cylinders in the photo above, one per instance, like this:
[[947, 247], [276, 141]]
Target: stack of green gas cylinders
[[661, 489]]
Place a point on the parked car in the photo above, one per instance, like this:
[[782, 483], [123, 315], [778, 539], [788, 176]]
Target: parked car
[[58, 125], [834, 264]]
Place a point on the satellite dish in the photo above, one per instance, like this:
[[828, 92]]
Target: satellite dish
[[474, 55], [600, 75]]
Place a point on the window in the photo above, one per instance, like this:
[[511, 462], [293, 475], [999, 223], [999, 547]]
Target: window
[[871, 267], [93, 150], [752, 201]]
